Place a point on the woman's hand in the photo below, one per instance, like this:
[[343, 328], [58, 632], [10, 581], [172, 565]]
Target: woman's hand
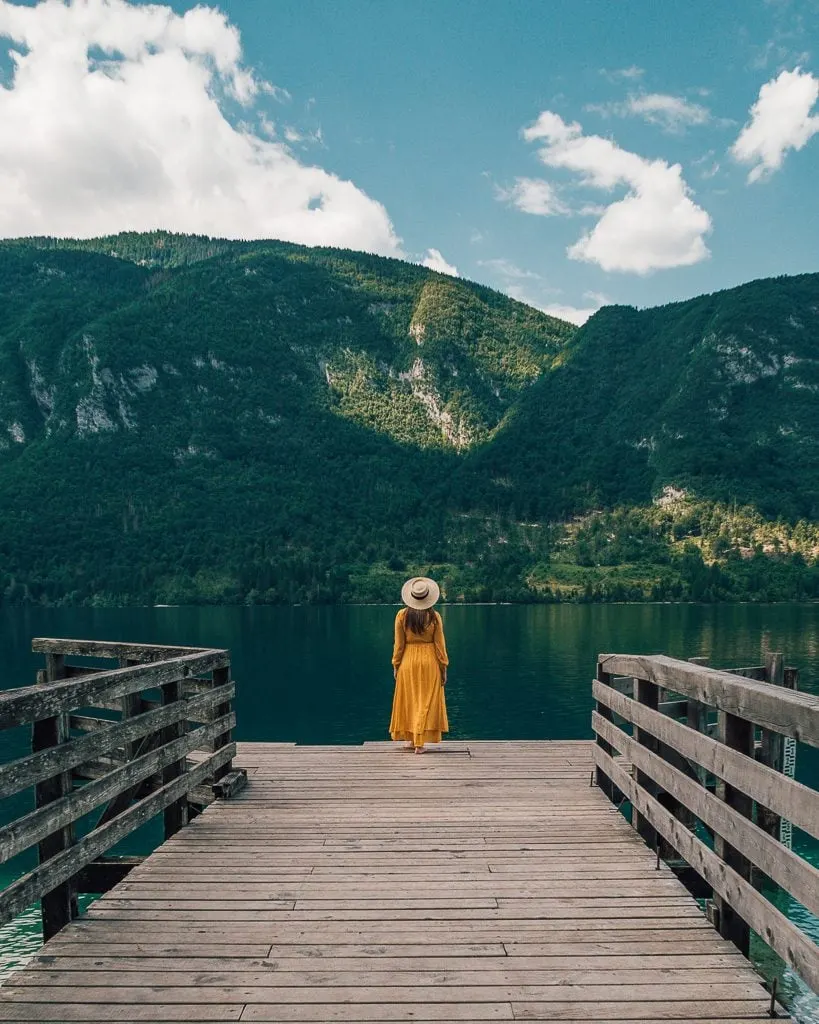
[[394, 672], [443, 677]]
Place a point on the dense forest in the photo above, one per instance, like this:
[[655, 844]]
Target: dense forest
[[188, 420]]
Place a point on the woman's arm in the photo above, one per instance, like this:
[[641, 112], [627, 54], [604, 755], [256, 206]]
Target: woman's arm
[[400, 641], [440, 646]]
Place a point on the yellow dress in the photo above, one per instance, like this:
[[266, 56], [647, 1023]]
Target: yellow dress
[[418, 707]]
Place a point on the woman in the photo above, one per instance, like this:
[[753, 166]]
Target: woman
[[419, 662]]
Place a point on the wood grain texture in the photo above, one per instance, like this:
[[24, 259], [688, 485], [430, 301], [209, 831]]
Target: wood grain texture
[[489, 882]]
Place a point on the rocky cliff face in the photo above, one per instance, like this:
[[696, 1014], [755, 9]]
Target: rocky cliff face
[[424, 360]]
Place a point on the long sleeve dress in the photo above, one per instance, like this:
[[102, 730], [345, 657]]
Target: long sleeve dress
[[418, 708]]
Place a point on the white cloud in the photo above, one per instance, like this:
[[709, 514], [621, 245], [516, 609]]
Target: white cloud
[[115, 119], [780, 120], [631, 73], [573, 314], [655, 225], [671, 113], [528, 287], [508, 269], [533, 195], [435, 261]]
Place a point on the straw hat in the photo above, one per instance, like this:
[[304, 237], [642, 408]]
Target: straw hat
[[420, 592]]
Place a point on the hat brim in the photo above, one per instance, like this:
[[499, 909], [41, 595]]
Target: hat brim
[[426, 602]]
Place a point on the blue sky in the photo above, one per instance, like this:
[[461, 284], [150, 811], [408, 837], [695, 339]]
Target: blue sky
[[424, 107]]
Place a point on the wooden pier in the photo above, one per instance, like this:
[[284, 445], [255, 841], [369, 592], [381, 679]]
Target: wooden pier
[[480, 881]]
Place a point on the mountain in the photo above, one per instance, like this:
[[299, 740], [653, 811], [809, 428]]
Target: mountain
[[717, 394], [184, 419]]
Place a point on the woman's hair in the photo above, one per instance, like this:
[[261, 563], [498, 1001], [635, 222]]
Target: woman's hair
[[419, 618]]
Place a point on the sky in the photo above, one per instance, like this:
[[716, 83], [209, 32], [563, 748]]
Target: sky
[[571, 153]]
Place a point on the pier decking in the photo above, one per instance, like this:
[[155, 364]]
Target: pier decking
[[482, 881]]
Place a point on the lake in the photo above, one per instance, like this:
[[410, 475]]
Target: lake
[[323, 675]]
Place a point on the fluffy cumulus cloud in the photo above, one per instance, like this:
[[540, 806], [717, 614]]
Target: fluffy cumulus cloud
[[533, 195], [656, 225], [116, 116], [781, 119], [671, 113], [435, 261]]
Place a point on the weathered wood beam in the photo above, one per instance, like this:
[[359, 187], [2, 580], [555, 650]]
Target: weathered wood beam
[[791, 799], [795, 948], [786, 712], [21, 893], [232, 783], [88, 723], [138, 653], [738, 734], [57, 905], [176, 814], [647, 694], [33, 768], [30, 703], [772, 746], [221, 676], [795, 875], [61, 812]]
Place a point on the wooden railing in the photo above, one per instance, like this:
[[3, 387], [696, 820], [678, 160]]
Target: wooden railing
[[716, 801], [152, 735]]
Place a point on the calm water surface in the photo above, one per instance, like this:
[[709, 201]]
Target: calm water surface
[[323, 675]]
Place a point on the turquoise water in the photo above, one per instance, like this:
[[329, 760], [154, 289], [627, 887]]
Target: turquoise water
[[323, 675]]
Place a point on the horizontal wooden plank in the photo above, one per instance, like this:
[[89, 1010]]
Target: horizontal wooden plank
[[788, 712], [328, 976], [32, 703], [107, 649], [18, 775], [783, 866], [788, 798], [795, 948], [387, 994], [424, 960]]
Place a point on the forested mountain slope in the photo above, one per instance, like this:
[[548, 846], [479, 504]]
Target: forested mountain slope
[[719, 394], [188, 419]]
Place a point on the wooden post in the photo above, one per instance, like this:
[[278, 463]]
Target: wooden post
[[648, 694], [772, 747], [697, 718], [737, 733], [221, 676], [602, 780], [131, 705], [176, 814], [60, 905]]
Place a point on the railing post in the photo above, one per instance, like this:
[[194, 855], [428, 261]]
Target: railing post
[[175, 814], [221, 676], [602, 780], [773, 744], [131, 705], [737, 733], [696, 717], [647, 694], [59, 906]]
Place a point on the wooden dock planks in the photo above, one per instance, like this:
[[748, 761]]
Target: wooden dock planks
[[481, 882]]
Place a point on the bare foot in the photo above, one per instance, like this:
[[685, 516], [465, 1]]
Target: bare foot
[[419, 750]]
